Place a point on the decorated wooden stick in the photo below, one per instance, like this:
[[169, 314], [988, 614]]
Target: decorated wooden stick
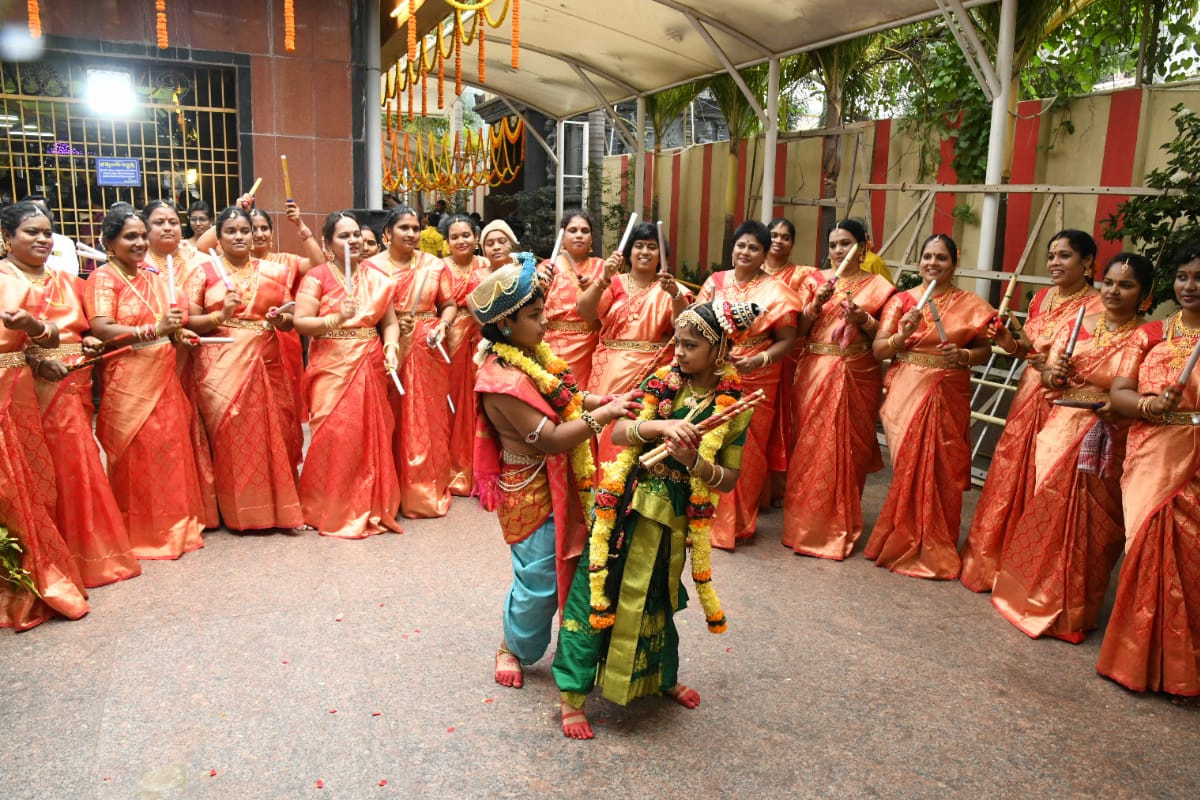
[[557, 247], [220, 268], [254, 189], [837, 273], [1070, 351], [928, 294], [1006, 300], [287, 180], [663, 266], [937, 320], [633, 218], [396, 380], [1186, 373], [171, 280], [660, 453], [87, 362]]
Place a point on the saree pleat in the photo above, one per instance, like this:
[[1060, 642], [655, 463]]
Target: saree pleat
[[460, 344], [570, 336], [783, 431]]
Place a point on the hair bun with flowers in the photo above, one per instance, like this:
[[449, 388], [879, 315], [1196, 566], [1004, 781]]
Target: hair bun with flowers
[[736, 318]]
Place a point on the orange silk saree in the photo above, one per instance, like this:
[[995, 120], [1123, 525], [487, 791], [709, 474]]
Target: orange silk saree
[[737, 513], [926, 416], [570, 336], [1010, 481], [348, 487], [836, 394], [145, 422], [245, 397], [460, 344], [783, 433]]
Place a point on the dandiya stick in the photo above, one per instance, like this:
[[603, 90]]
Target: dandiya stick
[[287, 179], [928, 294], [663, 266], [748, 401], [215, 340], [633, 218], [837, 273], [220, 267], [442, 349], [937, 320], [346, 266], [396, 380], [557, 247], [87, 362], [171, 280], [1006, 300], [1070, 351], [254, 189], [91, 252], [453, 410]]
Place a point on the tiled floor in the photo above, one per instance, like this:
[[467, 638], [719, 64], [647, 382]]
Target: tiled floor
[[262, 665]]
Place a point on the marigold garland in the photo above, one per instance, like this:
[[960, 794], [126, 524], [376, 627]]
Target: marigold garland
[[35, 18], [516, 33], [657, 403], [458, 81], [160, 13], [289, 25], [482, 63], [412, 29], [554, 381]]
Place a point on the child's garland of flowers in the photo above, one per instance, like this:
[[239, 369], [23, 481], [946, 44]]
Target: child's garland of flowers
[[657, 403], [554, 381]]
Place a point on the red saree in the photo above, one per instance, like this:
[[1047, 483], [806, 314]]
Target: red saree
[[86, 513], [1054, 569], [460, 344], [737, 513], [290, 347], [423, 415], [244, 394], [836, 393], [27, 486], [189, 278], [348, 487], [145, 423], [570, 336], [1152, 642], [635, 337], [783, 432], [926, 416], [1010, 482], [521, 513]]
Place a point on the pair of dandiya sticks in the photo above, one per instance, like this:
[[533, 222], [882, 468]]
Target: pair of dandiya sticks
[[633, 218]]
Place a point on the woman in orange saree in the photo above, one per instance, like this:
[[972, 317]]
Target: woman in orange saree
[[756, 358], [926, 416], [569, 335], [349, 487], [636, 311], [145, 419], [242, 386], [836, 394], [86, 513], [27, 473], [783, 435], [465, 270], [1152, 642], [1053, 572], [1010, 481], [424, 295], [168, 247]]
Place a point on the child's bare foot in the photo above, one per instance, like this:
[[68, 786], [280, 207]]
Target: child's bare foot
[[575, 723], [508, 669], [685, 696]]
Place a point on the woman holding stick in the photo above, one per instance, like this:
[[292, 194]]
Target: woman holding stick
[[465, 270], [242, 387], [574, 269], [636, 311], [1010, 482], [618, 629], [837, 391], [38, 575], [424, 294], [932, 341], [145, 419], [1152, 642], [757, 359], [86, 513], [349, 491], [1054, 569]]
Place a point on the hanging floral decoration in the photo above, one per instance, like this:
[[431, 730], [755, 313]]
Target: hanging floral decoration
[[289, 26], [447, 163], [35, 18], [160, 24]]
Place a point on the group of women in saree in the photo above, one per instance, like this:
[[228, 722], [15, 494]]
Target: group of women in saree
[[200, 357]]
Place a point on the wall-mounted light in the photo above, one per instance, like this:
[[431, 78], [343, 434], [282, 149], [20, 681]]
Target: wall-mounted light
[[110, 92]]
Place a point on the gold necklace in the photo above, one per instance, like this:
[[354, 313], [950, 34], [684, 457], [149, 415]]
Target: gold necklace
[[697, 400], [1059, 299], [741, 291], [1106, 337], [19, 270]]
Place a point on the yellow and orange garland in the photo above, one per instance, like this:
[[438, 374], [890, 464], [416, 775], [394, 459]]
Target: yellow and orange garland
[[554, 381], [657, 403]]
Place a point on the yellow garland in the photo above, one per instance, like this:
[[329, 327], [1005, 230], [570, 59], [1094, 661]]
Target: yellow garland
[[615, 474], [548, 384]]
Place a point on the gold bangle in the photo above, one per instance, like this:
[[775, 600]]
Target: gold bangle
[[596, 427], [634, 434], [892, 343]]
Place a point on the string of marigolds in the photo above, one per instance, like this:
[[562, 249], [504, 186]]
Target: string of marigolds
[[448, 163]]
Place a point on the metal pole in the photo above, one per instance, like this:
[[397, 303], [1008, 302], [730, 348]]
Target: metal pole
[[639, 167], [559, 135], [373, 131], [997, 140], [770, 141]]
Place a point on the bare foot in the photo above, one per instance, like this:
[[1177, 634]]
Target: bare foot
[[684, 695], [575, 723], [508, 669]]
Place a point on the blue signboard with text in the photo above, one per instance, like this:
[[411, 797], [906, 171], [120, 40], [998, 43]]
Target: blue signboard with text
[[118, 171]]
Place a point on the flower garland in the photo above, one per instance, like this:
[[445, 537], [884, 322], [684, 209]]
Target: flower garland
[[35, 19], [289, 26], [658, 403], [160, 24], [554, 381]]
